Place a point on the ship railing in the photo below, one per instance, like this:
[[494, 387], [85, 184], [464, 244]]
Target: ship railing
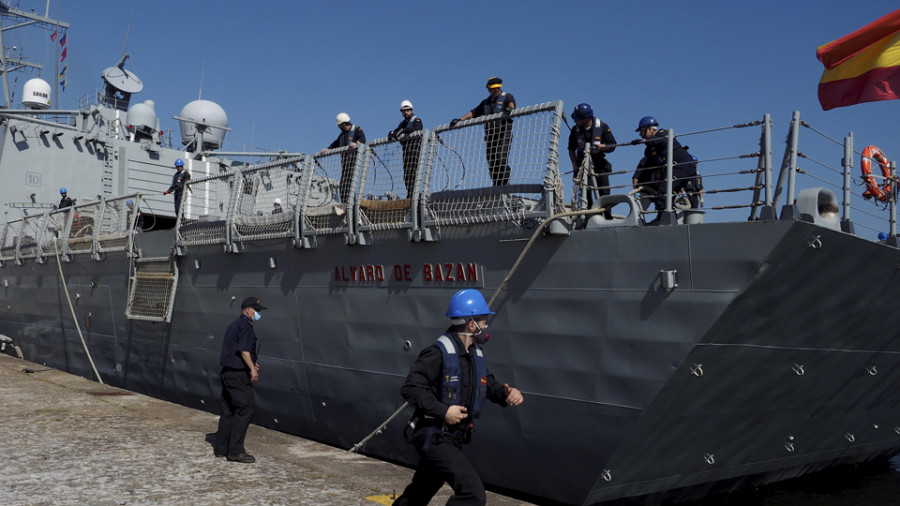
[[328, 196], [80, 238], [266, 198], [493, 168], [388, 184], [206, 208], [55, 228], [30, 237], [117, 224], [834, 196], [717, 167]]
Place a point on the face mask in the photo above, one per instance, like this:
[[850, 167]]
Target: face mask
[[480, 336], [257, 316]]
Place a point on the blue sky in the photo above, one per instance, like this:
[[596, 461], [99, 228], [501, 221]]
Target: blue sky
[[282, 70]]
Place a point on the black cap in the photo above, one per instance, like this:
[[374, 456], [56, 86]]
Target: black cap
[[254, 303]]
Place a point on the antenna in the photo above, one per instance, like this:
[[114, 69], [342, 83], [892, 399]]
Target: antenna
[[202, 73]]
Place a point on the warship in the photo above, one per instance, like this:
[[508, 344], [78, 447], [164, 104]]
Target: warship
[[666, 361]]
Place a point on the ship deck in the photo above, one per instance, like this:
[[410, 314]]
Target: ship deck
[[69, 440]]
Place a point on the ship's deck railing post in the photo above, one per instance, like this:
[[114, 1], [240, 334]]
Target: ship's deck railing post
[[668, 216], [847, 164], [892, 202], [789, 172], [764, 174]]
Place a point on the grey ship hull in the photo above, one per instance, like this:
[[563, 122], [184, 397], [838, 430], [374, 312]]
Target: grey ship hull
[[763, 363]]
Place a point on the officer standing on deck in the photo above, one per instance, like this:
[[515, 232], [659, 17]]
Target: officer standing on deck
[[497, 134], [447, 385], [594, 136], [411, 146], [240, 371], [179, 179], [350, 135]]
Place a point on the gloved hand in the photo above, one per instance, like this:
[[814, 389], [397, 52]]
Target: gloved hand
[[392, 135], [637, 141], [165, 193], [453, 122], [506, 112]]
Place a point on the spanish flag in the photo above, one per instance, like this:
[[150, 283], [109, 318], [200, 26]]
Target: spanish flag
[[863, 66]]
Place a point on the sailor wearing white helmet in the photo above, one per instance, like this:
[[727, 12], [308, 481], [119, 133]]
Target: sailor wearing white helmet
[[350, 135], [276, 209], [410, 144], [447, 385]]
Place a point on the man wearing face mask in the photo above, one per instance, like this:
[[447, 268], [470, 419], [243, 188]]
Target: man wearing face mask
[[447, 385], [239, 372]]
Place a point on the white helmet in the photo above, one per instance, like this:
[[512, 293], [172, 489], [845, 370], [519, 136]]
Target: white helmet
[[278, 201], [406, 104], [343, 118]]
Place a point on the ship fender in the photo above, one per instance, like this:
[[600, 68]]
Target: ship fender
[[880, 193]]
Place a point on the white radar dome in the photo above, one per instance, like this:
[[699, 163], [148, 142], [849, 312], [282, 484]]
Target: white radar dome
[[142, 117], [36, 94], [198, 114]]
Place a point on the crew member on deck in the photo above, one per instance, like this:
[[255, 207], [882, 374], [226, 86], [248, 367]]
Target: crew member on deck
[[591, 134], [65, 201], [498, 133], [351, 135], [179, 179], [447, 385], [240, 370], [684, 171], [410, 145], [276, 207]]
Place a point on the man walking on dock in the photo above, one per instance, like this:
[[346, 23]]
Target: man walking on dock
[[447, 385], [239, 372]]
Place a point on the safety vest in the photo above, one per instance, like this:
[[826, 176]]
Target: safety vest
[[596, 134], [451, 387], [495, 107]]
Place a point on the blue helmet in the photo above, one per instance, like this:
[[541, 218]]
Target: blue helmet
[[179, 163], [62, 191], [646, 121], [466, 303], [129, 202], [582, 111]]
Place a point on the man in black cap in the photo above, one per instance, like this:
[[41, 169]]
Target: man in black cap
[[497, 134], [239, 372]]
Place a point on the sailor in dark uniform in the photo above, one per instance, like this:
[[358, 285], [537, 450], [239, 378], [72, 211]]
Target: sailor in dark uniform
[[410, 145], [447, 385], [350, 135], [64, 201], [684, 170], [239, 372], [594, 136], [497, 134], [179, 179]]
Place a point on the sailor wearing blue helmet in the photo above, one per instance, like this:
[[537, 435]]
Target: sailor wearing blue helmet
[[594, 136], [64, 201], [179, 179], [684, 171], [447, 385]]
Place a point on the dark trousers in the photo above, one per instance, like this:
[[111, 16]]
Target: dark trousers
[[236, 406], [178, 194], [498, 141], [444, 462], [410, 164], [348, 165]]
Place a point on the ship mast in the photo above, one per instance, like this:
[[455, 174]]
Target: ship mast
[[11, 19]]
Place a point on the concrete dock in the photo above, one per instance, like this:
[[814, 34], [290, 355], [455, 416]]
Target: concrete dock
[[68, 440]]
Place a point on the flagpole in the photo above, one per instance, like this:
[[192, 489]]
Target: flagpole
[[56, 70]]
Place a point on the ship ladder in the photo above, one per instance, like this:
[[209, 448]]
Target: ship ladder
[[151, 291]]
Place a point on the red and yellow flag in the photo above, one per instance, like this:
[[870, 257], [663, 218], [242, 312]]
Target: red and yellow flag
[[863, 66]]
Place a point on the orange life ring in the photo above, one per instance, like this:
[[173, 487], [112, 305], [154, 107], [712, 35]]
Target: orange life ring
[[872, 189]]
